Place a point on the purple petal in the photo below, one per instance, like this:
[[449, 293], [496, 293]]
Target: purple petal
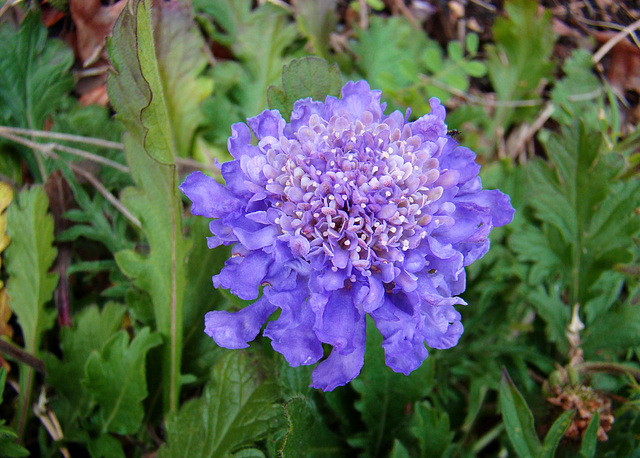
[[292, 333], [441, 326], [258, 239], [269, 123], [235, 330], [210, 198], [243, 275], [340, 367], [403, 342]]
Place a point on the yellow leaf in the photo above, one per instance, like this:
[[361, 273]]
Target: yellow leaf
[[6, 196]]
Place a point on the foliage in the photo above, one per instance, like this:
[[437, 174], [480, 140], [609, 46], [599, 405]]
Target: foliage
[[552, 304]]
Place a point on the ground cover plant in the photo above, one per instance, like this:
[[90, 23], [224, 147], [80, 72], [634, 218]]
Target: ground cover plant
[[344, 231]]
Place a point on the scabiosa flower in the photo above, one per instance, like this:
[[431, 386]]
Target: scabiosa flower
[[343, 212]]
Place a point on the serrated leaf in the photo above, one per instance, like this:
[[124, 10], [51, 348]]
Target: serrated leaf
[[308, 435], [92, 329], [518, 419], [28, 259], [116, 379], [556, 433], [431, 428], [34, 72], [590, 437], [513, 73], [385, 394], [307, 77], [235, 410], [387, 45], [143, 105], [579, 93], [316, 20], [260, 40]]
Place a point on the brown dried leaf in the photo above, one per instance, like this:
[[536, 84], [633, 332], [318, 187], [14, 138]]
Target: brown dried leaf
[[94, 23]]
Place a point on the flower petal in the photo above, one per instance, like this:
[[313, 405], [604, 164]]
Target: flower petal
[[235, 330]]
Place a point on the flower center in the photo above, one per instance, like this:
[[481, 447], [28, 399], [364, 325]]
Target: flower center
[[364, 190]]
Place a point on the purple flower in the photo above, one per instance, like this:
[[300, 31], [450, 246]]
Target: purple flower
[[341, 213]]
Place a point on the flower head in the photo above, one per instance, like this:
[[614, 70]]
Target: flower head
[[343, 212]]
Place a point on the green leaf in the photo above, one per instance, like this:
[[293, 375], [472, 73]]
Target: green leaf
[[316, 20], [590, 437], [199, 352], [431, 428], [308, 77], [579, 93], [385, 395], [34, 73], [143, 105], [520, 57], [556, 433], [106, 446], [235, 410], [260, 43], [7, 435], [399, 450], [518, 419], [475, 68], [308, 435], [28, 260], [91, 330], [116, 379], [455, 51], [180, 61], [472, 42]]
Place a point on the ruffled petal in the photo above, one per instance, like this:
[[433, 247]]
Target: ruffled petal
[[342, 367], [243, 275], [441, 326], [235, 330], [210, 198], [403, 342], [292, 333]]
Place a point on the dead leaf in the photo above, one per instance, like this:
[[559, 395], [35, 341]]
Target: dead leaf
[[94, 23], [97, 95]]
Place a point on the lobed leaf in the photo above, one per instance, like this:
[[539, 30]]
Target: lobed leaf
[[34, 73], [31, 285], [307, 77], [116, 379], [147, 109], [308, 435], [235, 410]]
